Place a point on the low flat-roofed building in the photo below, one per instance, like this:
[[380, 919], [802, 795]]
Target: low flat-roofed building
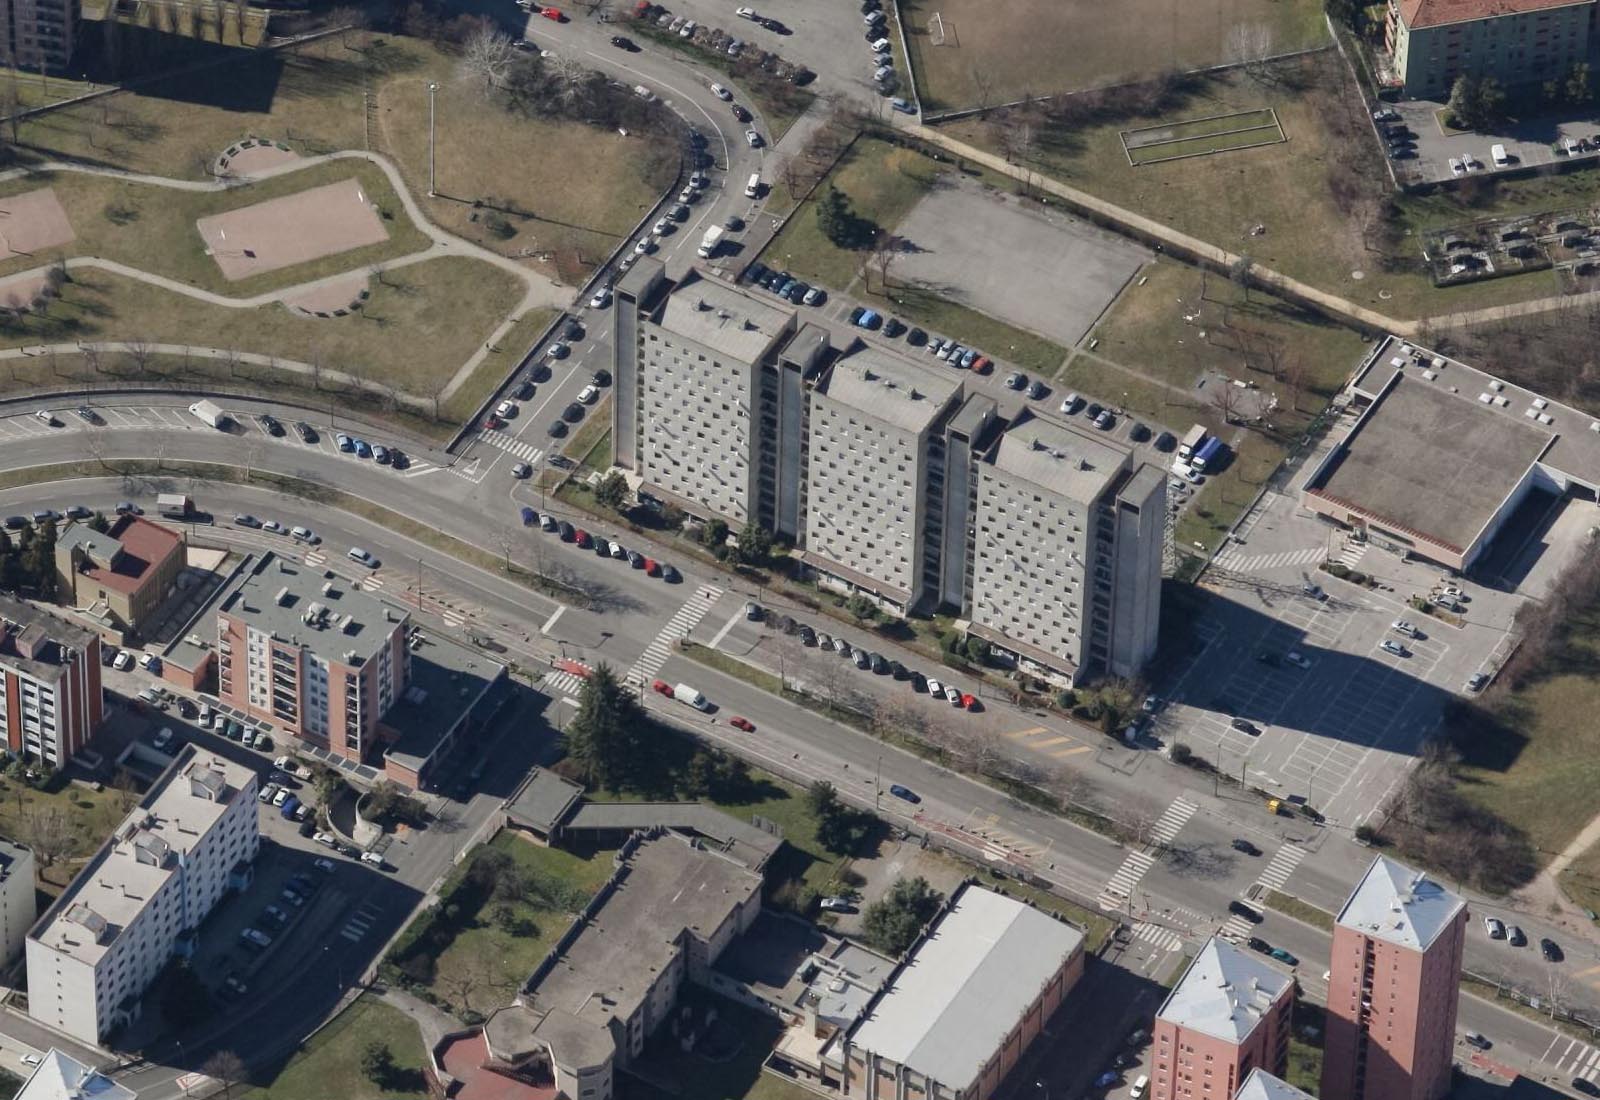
[[453, 690], [1228, 1014], [151, 884], [121, 575], [60, 1076], [961, 1011], [1441, 454]]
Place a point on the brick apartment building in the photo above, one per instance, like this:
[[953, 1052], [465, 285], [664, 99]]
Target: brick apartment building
[[1227, 1016], [49, 683], [37, 35], [120, 577], [1393, 988], [1432, 42]]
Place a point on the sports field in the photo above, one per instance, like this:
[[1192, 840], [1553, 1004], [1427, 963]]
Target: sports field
[[1197, 137], [999, 52]]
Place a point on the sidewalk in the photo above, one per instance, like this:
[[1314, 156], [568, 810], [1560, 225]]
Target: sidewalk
[[434, 1023]]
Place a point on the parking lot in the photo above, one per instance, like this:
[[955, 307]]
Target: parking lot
[[1528, 142], [1032, 267]]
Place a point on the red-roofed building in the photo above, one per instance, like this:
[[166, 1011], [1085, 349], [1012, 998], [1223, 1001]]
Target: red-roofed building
[[1432, 42], [119, 576]]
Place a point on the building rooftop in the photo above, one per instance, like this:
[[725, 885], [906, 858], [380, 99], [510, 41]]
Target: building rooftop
[[142, 854], [975, 412], [965, 985], [1431, 460], [62, 1077], [1261, 1085], [895, 391], [314, 608], [722, 319], [1404, 907], [1433, 13], [31, 639], [11, 853], [1225, 992], [543, 800], [665, 886], [124, 555], [1058, 457], [447, 680], [739, 840]]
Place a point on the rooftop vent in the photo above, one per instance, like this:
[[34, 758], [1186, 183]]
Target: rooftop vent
[[282, 598]]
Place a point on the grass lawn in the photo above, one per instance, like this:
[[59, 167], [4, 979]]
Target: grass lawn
[[92, 814], [884, 182], [1284, 188], [997, 55], [1176, 335], [414, 333], [595, 430], [330, 1063], [1305, 1054], [1300, 910], [157, 230], [487, 961], [804, 866]]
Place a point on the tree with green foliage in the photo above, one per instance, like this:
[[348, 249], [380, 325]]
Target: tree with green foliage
[[977, 650], [840, 829], [1579, 84], [835, 217], [861, 608], [755, 544], [608, 738], [377, 1062], [1476, 103], [714, 534], [893, 922], [612, 490], [98, 522], [1344, 13]]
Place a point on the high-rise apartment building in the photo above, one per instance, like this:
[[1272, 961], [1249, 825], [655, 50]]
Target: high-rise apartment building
[[1227, 1016], [37, 35], [1066, 559], [49, 683], [302, 648], [19, 905], [139, 900], [875, 475], [1393, 988]]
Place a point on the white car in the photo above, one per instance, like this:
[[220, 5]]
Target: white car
[[601, 299], [587, 395], [362, 557], [1496, 930], [123, 662], [149, 662], [746, 13], [1471, 163], [644, 247], [304, 534], [722, 93], [273, 527], [1455, 167], [952, 693], [881, 46], [1297, 659], [31, 1059], [373, 858], [666, 227], [935, 688], [47, 416], [618, 550], [557, 350], [506, 410], [326, 838], [1401, 626], [281, 797], [753, 139], [1389, 645]]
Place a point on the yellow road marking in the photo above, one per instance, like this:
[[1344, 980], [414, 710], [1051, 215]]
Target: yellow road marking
[[1048, 741], [1029, 733], [1060, 753]]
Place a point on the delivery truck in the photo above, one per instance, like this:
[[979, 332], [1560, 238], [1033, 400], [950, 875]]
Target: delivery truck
[[1209, 454], [709, 243], [1191, 441], [683, 693], [210, 414]]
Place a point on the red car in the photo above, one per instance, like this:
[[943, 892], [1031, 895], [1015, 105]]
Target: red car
[[742, 724], [581, 537], [652, 568], [981, 365], [492, 421], [970, 702], [662, 686], [553, 14]]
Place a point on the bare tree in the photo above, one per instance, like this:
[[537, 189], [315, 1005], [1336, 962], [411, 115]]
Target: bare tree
[[139, 351], [124, 790], [788, 651], [1295, 379], [227, 1069], [348, 18], [231, 360], [982, 88], [487, 57], [96, 443], [1249, 45], [1239, 271], [47, 830], [1225, 399], [506, 539], [885, 251]]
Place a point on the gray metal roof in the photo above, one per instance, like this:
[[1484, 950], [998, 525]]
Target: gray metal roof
[[1405, 907], [1225, 992], [888, 388], [19, 618], [448, 679], [543, 799], [1060, 458], [277, 594], [1261, 1085], [722, 319], [966, 985]]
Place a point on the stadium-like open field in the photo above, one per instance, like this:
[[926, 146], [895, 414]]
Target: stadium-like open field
[[1197, 137], [996, 51]]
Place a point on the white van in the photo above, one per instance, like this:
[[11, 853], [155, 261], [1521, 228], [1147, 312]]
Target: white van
[[1140, 1087], [753, 188], [1498, 152], [683, 693]]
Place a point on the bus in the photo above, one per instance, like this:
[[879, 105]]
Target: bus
[[1196, 436]]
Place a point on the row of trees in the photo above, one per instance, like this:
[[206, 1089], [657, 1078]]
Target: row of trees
[[28, 560]]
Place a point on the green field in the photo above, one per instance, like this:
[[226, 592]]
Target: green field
[[1278, 203], [330, 1062]]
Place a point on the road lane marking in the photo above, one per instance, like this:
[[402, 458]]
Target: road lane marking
[[551, 621], [733, 620]]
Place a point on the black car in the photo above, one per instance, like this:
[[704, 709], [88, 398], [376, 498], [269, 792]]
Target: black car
[[1268, 659], [1551, 952], [758, 272], [561, 462], [919, 683], [602, 377], [1586, 1086], [856, 314], [523, 390], [774, 26], [622, 42], [1256, 943], [572, 413], [1239, 908], [1242, 845], [898, 670], [916, 337], [636, 559], [878, 664], [1093, 410], [15, 522], [565, 530], [670, 574], [798, 291], [573, 331], [906, 793], [305, 431], [1244, 726], [88, 415], [398, 459], [557, 429], [308, 826], [1476, 1040], [187, 708], [270, 424], [893, 327]]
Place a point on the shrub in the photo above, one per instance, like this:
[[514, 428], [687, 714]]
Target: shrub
[[1181, 753], [1366, 834]]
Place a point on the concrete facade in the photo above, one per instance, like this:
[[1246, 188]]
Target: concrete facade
[[1393, 988], [140, 898], [122, 575], [38, 35], [49, 683], [1432, 42], [19, 906], [1228, 1015]]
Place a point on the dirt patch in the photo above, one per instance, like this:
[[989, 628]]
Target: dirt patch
[[898, 859], [332, 298], [241, 160], [292, 230], [31, 222]]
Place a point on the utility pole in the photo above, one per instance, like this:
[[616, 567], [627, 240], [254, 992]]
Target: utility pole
[[433, 191]]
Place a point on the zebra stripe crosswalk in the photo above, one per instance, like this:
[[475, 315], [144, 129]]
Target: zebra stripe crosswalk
[[1126, 877], [1163, 938], [1281, 866], [561, 683], [1573, 1057], [1351, 554], [1235, 928], [360, 923], [1251, 563], [684, 620], [1170, 823], [510, 444]]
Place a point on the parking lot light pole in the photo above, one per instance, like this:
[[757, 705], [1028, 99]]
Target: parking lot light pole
[[433, 191]]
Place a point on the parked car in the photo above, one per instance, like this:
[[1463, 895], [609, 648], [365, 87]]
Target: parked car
[[1283, 956], [1389, 645], [1242, 845], [1245, 726], [1550, 951], [905, 793], [741, 723]]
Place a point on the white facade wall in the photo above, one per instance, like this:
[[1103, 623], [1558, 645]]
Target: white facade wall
[[18, 905], [697, 444]]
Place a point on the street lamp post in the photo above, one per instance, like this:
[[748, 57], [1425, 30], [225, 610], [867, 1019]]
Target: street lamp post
[[433, 190]]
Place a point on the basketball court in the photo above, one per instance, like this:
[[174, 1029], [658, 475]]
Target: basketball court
[[31, 223], [295, 229]]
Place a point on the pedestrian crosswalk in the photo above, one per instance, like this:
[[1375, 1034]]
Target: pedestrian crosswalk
[[684, 620], [315, 559], [1281, 866], [360, 922], [1126, 877], [1351, 554], [1573, 1057], [1251, 563], [510, 444], [1164, 938], [1235, 928], [1170, 823], [563, 683]]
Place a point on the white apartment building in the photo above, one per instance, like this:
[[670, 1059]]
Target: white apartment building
[[19, 906], [874, 423], [1066, 558], [138, 901], [693, 370], [60, 1076]]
